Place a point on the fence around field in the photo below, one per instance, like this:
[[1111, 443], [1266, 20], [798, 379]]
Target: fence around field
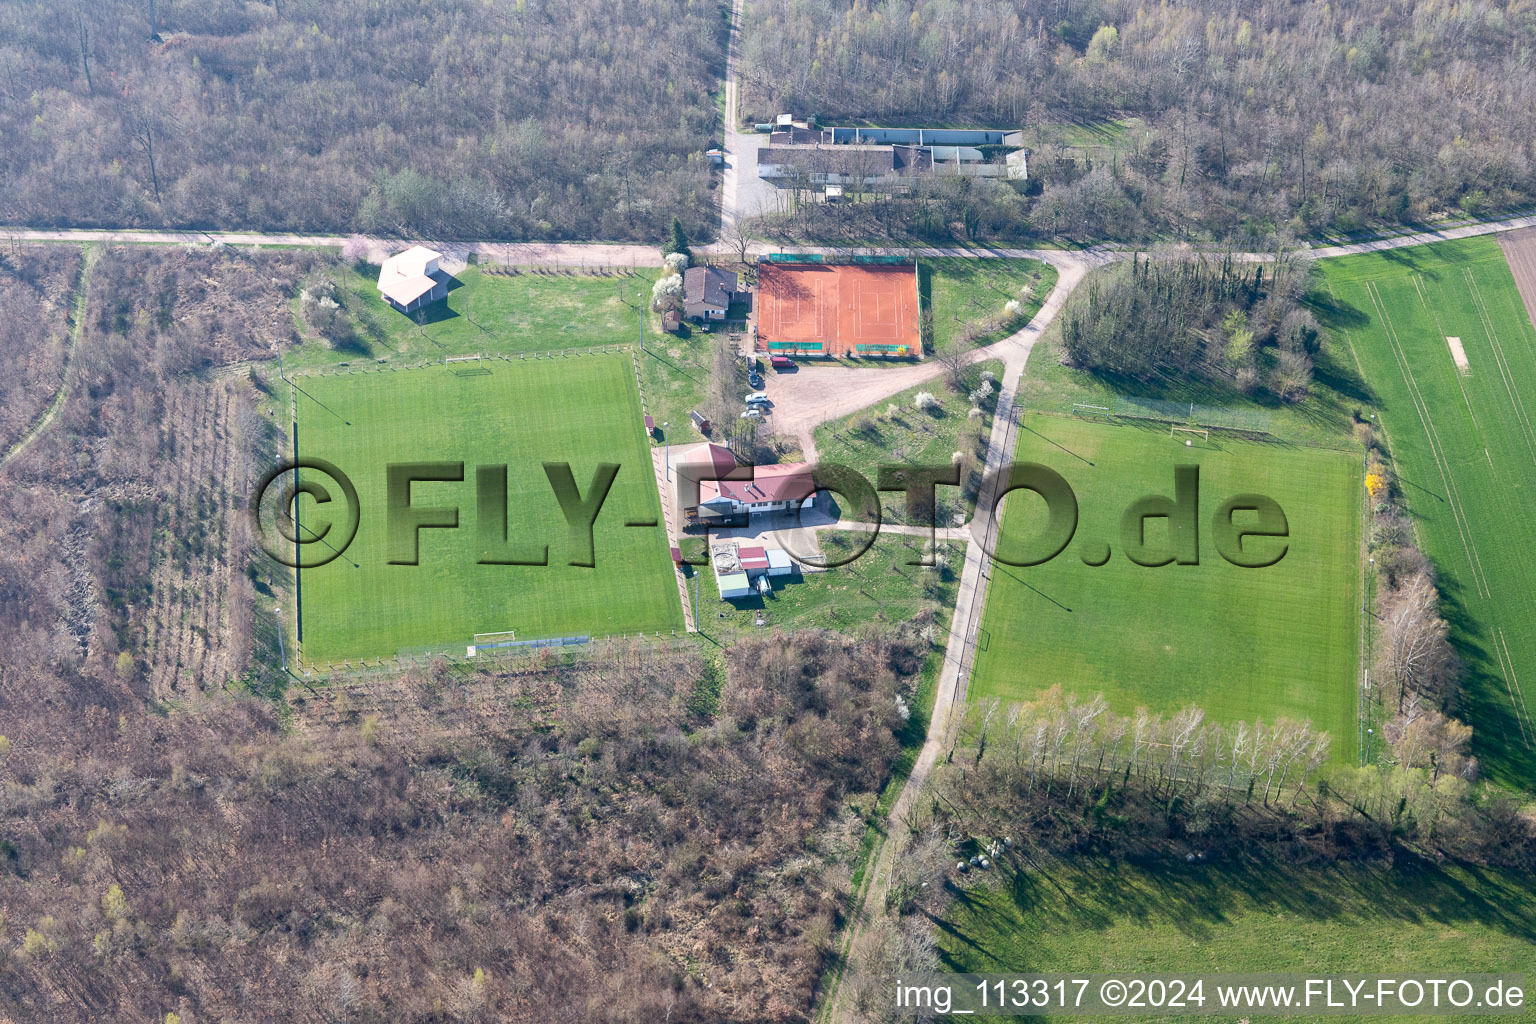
[[853, 259], [1193, 414]]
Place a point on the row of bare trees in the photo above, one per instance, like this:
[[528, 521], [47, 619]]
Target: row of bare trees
[[1067, 748], [1418, 673]]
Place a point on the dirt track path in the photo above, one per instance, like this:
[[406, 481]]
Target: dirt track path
[[77, 324]]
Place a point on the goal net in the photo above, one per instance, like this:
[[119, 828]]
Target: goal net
[[1203, 433], [466, 366], [490, 641], [1083, 409]]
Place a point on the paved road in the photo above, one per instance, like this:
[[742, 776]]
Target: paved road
[[742, 193], [626, 253]]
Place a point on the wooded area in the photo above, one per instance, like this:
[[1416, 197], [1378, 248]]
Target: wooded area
[[37, 290], [128, 544], [539, 844], [439, 118], [1182, 316], [1252, 119]]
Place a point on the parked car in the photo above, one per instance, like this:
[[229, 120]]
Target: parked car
[[756, 396], [755, 380], [781, 362], [752, 414]]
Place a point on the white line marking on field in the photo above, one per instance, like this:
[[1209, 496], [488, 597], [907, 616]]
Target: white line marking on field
[[1458, 353]]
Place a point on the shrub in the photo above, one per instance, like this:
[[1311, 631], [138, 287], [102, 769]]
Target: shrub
[[355, 250], [925, 402]]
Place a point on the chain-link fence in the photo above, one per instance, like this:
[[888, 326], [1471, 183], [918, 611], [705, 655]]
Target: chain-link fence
[[1255, 421]]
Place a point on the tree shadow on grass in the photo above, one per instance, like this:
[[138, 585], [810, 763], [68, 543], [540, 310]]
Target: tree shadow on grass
[[1098, 893]]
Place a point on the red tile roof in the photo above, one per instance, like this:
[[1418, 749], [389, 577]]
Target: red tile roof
[[786, 482]]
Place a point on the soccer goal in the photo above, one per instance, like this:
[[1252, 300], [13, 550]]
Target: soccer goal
[[1203, 433], [1083, 409], [466, 366], [490, 641]]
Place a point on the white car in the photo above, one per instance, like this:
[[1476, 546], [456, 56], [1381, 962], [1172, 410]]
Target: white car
[[755, 397], [752, 414]]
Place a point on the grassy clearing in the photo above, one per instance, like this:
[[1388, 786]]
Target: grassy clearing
[[967, 297], [1107, 134], [1241, 643], [1098, 915], [896, 432], [583, 410], [1464, 446], [532, 310]]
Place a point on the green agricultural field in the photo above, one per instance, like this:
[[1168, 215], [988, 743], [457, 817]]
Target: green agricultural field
[[967, 297], [583, 410], [1242, 643], [1113, 916], [529, 310], [1464, 449]]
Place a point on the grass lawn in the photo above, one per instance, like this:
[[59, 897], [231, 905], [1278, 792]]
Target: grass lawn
[[1242, 643], [1096, 915], [675, 372], [1464, 446], [873, 438], [531, 310], [582, 410], [877, 587], [967, 297]]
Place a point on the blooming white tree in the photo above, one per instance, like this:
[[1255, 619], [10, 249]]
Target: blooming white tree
[[666, 291]]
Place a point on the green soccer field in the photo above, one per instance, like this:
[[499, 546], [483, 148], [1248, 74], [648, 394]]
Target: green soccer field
[[1241, 643], [1464, 449], [582, 410]]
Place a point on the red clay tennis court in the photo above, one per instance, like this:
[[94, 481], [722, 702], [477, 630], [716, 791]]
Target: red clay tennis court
[[813, 309]]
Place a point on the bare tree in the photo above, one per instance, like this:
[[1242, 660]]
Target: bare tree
[[144, 128], [954, 363], [83, 36], [1416, 648], [739, 239]]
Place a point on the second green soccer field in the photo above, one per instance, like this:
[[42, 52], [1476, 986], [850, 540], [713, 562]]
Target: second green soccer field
[[1241, 643], [581, 410]]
